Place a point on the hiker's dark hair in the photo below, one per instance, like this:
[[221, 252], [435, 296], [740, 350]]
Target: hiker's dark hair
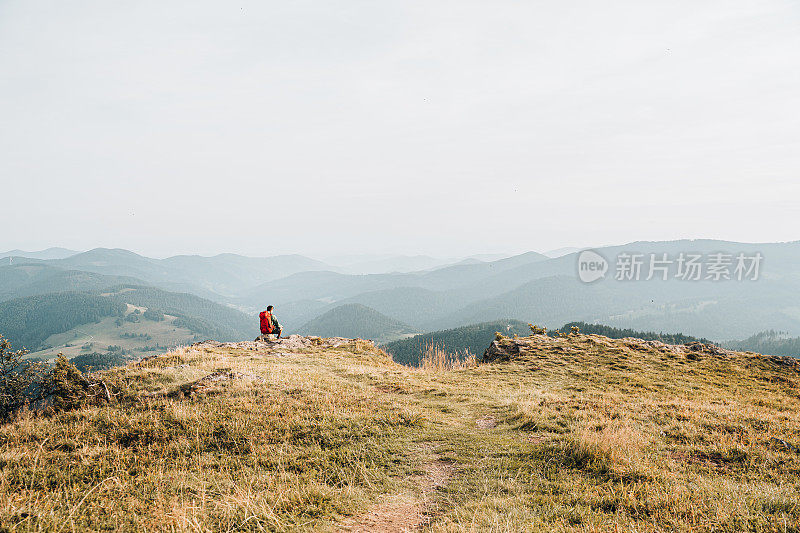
[[269, 308]]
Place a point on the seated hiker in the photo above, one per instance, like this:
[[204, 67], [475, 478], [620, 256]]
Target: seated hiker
[[269, 324]]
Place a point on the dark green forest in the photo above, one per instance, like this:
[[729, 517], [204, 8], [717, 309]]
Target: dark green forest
[[95, 361], [768, 342], [27, 322], [473, 339], [618, 333]]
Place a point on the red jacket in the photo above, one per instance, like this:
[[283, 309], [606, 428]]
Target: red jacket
[[266, 322]]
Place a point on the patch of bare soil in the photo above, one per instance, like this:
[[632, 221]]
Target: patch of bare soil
[[487, 422], [406, 511]]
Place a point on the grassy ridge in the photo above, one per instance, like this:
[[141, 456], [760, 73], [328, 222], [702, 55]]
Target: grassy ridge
[[583, 433]]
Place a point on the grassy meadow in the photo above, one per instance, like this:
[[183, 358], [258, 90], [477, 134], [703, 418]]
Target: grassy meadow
[[582, 433]]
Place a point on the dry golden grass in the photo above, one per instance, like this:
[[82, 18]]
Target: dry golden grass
[[591, 435], [628, 437], [301, 447], [437, 359]]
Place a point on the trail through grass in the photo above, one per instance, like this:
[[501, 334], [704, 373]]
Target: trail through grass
[[580, 434]]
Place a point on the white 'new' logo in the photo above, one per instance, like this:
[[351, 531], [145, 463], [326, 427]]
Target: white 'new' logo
[[591, 266]]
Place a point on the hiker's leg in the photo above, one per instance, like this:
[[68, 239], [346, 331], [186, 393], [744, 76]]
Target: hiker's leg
[[278, 331]]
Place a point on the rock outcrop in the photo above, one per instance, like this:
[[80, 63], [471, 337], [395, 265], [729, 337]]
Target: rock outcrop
[[291, 342], [510, 348]]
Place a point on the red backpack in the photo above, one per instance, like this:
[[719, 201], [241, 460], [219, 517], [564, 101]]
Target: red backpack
[[266, 322]]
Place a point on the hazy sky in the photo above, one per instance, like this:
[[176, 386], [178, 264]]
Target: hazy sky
[[437, 127]]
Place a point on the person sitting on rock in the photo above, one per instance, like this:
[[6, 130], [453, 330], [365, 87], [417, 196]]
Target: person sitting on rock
[[269, 324]]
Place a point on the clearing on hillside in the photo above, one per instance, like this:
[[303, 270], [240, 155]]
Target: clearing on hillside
[[137, 339], [581, 433]]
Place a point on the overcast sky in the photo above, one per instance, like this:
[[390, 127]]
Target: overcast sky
[[435, 127]]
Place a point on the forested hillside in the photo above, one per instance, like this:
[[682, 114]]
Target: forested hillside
[[103, 318], [197, 314], [768, 342], [29, 321], [357, 321]]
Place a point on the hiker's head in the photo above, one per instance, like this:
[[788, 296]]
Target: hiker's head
[[269, 308]]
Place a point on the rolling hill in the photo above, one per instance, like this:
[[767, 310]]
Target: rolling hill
[[335, 286], [414, 306], [357, 321], [583, 433], [134, 318], [21, 280], [201, 316]]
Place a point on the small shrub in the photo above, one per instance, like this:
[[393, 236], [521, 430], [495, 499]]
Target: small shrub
[[21, 381], [69, 387], [156, 315], [58, 387]]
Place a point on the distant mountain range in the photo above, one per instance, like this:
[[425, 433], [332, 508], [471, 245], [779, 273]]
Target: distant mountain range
[[391, 263], [530, 287], [50, 253], [224, 275]]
